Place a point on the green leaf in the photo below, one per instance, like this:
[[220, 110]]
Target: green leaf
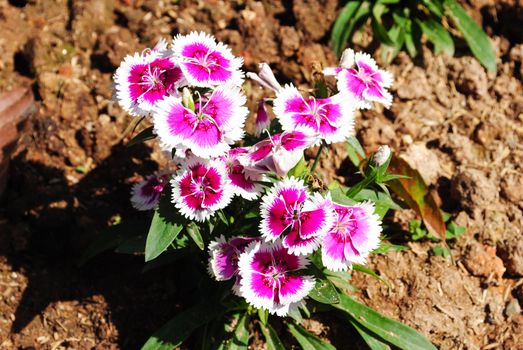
[[394, 332], [454, 230], [144, 135], [194, 232], [324, 292], [300, 169], [364, 269], [174, 332], [434, 6], [475, 37], [341, 280], [307, 340], [353, 15], [272, 341], [379, 198], [369, 338], [240, 339], [441, 251], [437, 35], [263, 316], [355, 150], [397, 35], [111, 238], [388, 247], [377, 26], [161, 234], [134, 245], [338, 196]]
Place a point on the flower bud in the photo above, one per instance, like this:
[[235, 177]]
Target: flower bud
[[187, 99], [265, 78], [263, 122], [381, 156]]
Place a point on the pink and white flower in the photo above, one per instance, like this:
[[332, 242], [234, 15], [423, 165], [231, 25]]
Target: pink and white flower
[[216, 122], [200, 188], [353, 236], [278, 153], [224, 255], [145, 195], [144, 79], [269, 279], [332, 118], [359, 77], [263, 122], [288, 209], [243, 184], [206, 63]]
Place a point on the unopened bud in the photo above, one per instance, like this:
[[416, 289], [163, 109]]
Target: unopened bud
[[265, 78], [263, 121], [381, 156], [187, 99]]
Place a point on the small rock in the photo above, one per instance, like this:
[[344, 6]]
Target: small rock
[[512, 308], [419, 157], [473, 189], [512, 187], [482, 261], [511, 252]]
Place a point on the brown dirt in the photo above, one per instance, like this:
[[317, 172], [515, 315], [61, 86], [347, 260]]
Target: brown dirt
[[70, 175]]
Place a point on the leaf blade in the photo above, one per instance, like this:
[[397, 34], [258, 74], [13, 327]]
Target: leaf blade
[[161, 234], [394, 332], [307, 340]]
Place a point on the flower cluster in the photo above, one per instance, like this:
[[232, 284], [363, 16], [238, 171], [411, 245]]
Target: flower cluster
[[191, 92]]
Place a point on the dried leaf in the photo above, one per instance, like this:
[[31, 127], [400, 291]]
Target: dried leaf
[[415, 193]]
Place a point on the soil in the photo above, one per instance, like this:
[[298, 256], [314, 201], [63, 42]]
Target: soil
[[71, 172]]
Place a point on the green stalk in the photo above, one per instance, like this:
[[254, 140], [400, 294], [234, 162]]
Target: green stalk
[[317, 158]]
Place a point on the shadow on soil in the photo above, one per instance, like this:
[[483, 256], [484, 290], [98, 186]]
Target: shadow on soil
[[50, 224]]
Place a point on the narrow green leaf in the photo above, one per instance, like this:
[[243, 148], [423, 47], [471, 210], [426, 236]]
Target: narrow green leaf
[[144, 135], [111, 238], [370, 338], [437, 35], [475, 37], [134, 245], [160, 236], [240, 339], [364, 269], [307, 340], [434, 6], [300, 169], [397, 35], [394, 332], [263, 316], [194, 232], [355, 143], [338, 196], [377, 25], [272, 341], [174, 332], [341, 30], [324, 292]]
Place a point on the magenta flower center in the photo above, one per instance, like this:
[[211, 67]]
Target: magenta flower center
[[347, 224]]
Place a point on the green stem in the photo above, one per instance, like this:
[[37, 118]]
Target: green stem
[[354, 190], [317, 159]]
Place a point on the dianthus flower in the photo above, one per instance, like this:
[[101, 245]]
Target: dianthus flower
[[144, 79], [332, 118], [145, 194], [206, 63], [359, 77], [224, 255], [288, 209], [269, 279], [200, 188], [215, 123], [278, 153], [353, 236], [243, 185]]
